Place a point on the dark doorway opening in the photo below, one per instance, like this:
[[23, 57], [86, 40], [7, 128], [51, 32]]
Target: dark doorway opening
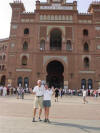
[[83, 84], [3, 80], [90, 84], [55, 77]]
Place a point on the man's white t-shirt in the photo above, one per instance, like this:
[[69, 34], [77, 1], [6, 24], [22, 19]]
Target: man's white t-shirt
[[84, 93], [47, 94], [39, 90]]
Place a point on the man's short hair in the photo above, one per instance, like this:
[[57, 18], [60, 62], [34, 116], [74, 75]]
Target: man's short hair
[[38, 81]]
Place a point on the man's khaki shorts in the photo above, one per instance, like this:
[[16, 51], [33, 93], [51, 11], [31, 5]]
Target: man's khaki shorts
[[38, 102]]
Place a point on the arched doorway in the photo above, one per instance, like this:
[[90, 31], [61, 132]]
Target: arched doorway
[[55, 71], [90, 84], [83, 83], [26, 82], [20, 81]]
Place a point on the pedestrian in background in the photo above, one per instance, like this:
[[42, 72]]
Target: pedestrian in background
[[56, 94], [84, 96]]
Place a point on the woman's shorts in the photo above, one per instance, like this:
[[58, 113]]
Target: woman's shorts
[[47, 103]]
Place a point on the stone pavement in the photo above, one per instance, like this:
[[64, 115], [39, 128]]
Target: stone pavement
[[69, 115]]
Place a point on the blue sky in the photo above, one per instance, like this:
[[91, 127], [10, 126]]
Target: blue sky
[[5, 12]]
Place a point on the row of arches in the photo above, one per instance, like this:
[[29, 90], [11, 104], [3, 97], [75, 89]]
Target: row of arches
[[23, 82], [85, 33], [42, 46], [3, 48], [86, 61], [56, 41], [56, 45]]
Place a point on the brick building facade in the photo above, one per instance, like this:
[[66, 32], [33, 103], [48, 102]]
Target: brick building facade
[[55, 43]]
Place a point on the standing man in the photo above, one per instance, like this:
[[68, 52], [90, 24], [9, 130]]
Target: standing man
[[38, 91]]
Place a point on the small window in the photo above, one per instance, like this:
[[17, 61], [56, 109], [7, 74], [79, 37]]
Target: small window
[[26, 31], [86, 47], [24, 60], [3, 67], [68, 45], [85, 32], [25, 46], [0, 67], [86, 62], [42, 45], [4, 57], [0, 57]]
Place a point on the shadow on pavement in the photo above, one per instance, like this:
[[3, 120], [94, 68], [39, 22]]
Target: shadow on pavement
[[82, 127]]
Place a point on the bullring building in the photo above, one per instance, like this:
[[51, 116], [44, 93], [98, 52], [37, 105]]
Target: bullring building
[[54, 43]]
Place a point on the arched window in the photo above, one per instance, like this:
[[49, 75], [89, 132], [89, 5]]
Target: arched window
[[85, 32], [25, 46], [68, 45], [24, 60], [4, 57], [86, 62], [19, 81], [86, 47], [0, 67], [55, 40], [26, 81], [3, 67], [26, 31], [42, 45], [90, 84], [83, 83], [0, 57], [3, 80]]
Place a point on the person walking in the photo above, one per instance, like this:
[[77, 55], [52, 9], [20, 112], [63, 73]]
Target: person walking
[[47, 102], [61, 92], [18, 92], [38, 91], [84, 96], [22, 93], [4, 91], [56, 94]]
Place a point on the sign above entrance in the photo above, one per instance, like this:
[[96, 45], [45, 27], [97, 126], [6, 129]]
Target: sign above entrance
[[56, 6]]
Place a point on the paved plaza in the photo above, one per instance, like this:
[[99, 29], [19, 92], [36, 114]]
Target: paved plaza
[[69, 115]]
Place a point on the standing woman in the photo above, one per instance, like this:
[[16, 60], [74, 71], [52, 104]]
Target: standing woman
[[47, 102]]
